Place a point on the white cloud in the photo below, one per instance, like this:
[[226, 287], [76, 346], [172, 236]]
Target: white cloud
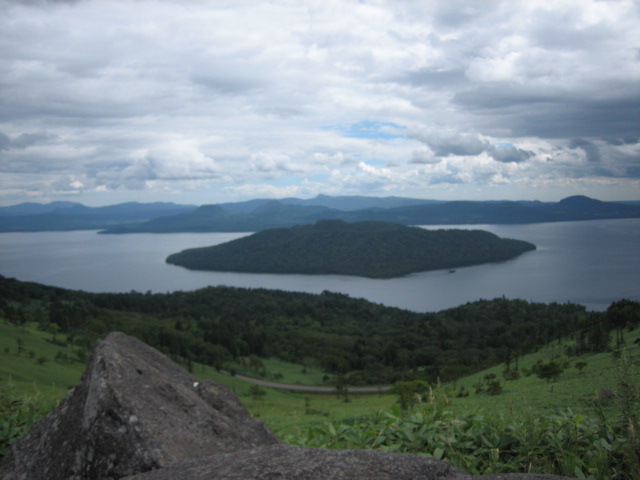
[[137, 99]]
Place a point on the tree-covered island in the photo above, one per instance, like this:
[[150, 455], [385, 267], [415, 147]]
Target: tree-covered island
[[367, 249]]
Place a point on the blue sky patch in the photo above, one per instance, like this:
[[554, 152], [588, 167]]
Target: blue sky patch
[[372, 130]]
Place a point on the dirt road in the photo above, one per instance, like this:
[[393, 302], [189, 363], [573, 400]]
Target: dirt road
[[310, 388]]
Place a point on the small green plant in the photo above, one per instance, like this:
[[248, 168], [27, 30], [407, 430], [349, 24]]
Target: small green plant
[[580, 365], [511, 374], [549, 371], [257, 392], [494, 387], [628, 405], [562, 443], [410, 392], [17, 414]]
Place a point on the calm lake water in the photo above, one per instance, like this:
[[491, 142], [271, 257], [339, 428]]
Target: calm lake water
[[591, 263]]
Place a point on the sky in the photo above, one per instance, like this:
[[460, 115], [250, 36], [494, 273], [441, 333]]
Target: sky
[[198, 102]]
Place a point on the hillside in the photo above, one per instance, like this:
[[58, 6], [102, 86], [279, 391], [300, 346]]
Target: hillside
[[46, 334], [368, 249], [217, 325]]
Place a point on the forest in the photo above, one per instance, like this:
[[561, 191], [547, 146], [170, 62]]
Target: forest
[[363, 342], [368, 249]]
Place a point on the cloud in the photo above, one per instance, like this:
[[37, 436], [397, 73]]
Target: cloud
[[450, 143], [509, 153], [23, 140], [444, 143], [137, 99], [589, 148], [424, 156]]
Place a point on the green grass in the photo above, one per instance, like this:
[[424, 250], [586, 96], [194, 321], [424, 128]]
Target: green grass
[[282, 372], [284, 411], [51, 380], [574, 389]]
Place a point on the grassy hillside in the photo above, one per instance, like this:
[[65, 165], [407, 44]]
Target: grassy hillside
[[369, 343], [560, 395], [580, 410]]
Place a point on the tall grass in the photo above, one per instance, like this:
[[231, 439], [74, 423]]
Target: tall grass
[[17, 413], [561, 443]]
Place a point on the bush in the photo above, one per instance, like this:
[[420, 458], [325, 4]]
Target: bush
[[562, 443], [17, 414]]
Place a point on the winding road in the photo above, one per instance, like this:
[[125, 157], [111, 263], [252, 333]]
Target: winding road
[[309, 388]]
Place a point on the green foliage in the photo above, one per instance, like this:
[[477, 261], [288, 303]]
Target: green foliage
[[561, 443], [368, 249], [17, 414], [410, 392], [580, 365], [549, 371], [257, 392], [460, 429], [490, 385], [366, 342], [628, 405]]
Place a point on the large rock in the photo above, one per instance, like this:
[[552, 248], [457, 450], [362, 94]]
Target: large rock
[[134, 410], [286, 462], [137, 415]]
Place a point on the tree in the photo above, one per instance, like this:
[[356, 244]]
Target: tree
[[410, 392], [342, 389], [621, 314], [580, 365], [256, 392], [494, 387], [548, 371], [20, 343]]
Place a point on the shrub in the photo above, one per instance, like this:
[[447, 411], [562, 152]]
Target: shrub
[[17, 414], [562, 443]]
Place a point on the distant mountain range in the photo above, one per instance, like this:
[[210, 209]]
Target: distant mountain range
[[60, 216], [260, 214]]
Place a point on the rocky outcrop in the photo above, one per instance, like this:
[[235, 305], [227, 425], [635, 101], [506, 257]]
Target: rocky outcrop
[[137, 415], [133, 410], [286, 462]]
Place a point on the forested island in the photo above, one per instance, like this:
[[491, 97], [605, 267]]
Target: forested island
[[368, 249]]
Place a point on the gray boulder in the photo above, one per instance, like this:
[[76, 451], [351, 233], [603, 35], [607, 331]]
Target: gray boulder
[[133, 410], [286, 462]]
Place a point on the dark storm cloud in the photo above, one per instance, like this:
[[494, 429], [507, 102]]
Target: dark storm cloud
[[553, 115], [590, 149], [628, 140], [509, 154], [23, 140], [444, 144], [5, 142]]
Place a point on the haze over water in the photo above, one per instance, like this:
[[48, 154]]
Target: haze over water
[[591, 263]]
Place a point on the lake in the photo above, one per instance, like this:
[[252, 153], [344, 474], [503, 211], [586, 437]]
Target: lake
[[591, 263]]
